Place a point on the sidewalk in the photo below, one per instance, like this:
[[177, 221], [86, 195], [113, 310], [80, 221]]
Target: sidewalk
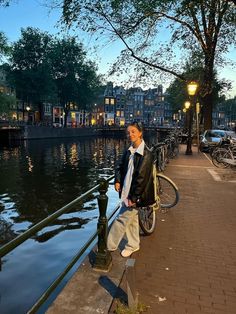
[[189, 264]]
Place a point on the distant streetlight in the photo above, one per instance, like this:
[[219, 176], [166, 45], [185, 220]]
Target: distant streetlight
[[192, 89], [187, 105]]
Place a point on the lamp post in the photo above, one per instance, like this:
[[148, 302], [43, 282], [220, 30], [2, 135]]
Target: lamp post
[[28, 110], [197, 124], [187, 105], [192, 89]]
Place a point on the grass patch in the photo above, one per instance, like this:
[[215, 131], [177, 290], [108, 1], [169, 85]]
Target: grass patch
[[122, 308]]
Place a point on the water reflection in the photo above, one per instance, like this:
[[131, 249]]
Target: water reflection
[[38, 178], [41, 176]]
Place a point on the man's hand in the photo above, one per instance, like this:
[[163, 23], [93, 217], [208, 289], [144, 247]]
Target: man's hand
[[117, 187], [130, 203]]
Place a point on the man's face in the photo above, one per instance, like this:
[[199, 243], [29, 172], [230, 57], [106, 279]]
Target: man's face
[[133, 134]]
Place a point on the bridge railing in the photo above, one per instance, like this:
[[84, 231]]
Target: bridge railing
[[103, 256]]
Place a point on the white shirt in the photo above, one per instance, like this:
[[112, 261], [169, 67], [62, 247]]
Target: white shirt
[[130, 170]]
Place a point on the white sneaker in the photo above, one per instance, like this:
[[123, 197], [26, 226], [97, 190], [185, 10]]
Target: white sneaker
[[128, 252]]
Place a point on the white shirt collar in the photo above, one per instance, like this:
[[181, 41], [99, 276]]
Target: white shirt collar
[[139, 149]]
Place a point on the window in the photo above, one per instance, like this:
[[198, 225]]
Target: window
[[47, 108]]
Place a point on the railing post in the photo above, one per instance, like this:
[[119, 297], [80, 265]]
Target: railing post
[[103, 259]]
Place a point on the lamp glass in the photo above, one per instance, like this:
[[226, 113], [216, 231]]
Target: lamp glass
[[192, 88]]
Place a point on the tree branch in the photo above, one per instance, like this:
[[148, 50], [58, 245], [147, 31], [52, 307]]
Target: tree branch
[[218, 24], [195, 33], [156, 66]]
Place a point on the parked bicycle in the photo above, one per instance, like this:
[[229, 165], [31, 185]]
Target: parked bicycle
[[166, 150], [167, 197], [224, 157]]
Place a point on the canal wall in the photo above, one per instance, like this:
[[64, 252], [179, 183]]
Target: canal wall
[[34, 132], [28, 132]]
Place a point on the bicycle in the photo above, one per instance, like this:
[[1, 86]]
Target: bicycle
[[161, 155], [224, 157], [167, 195]]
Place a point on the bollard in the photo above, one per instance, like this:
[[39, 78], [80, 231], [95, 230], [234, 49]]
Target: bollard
[[103, 260], [131, 284]]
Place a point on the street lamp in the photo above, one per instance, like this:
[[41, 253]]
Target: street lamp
[[186, 120], [192, 89], [28, 110], [187, 105], [197, 124]]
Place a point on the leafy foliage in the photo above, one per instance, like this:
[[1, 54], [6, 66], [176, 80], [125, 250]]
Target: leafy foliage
[[194, 67], [7, 102], [48, 69], [75, 77], [31, 68], [4, 47], [4, 3]]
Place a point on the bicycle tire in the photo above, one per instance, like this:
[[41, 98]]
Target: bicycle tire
[[147, 219], [217, 158], [167, 191]]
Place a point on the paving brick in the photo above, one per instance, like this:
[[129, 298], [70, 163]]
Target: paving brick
[[207, 310], [193, 309]]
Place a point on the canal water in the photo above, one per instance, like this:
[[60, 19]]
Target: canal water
[[37, 178]]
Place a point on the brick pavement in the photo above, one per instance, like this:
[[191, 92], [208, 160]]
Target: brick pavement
[[189, 264]]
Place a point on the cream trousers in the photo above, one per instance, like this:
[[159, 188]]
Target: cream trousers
[[125, 223]]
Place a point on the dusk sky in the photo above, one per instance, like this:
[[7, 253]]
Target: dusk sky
[[24, 13]]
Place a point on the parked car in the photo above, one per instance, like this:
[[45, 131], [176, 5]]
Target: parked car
[[211, 138]]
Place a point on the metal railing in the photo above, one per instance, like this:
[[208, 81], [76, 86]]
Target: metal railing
[[103, 257]]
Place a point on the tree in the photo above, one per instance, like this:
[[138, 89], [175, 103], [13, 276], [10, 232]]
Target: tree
[[4, 47], [206, 26], [177, 91], [7, 103], [5, 3], [7, 97], [30, 68], [48, 69], [75, 77]]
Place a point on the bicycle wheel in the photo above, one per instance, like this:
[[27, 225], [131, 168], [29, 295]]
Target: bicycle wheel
[[147, 219], [167, 191], [217, 158]]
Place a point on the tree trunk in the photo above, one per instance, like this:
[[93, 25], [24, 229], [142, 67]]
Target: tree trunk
[[207, 90], [207, 110]]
